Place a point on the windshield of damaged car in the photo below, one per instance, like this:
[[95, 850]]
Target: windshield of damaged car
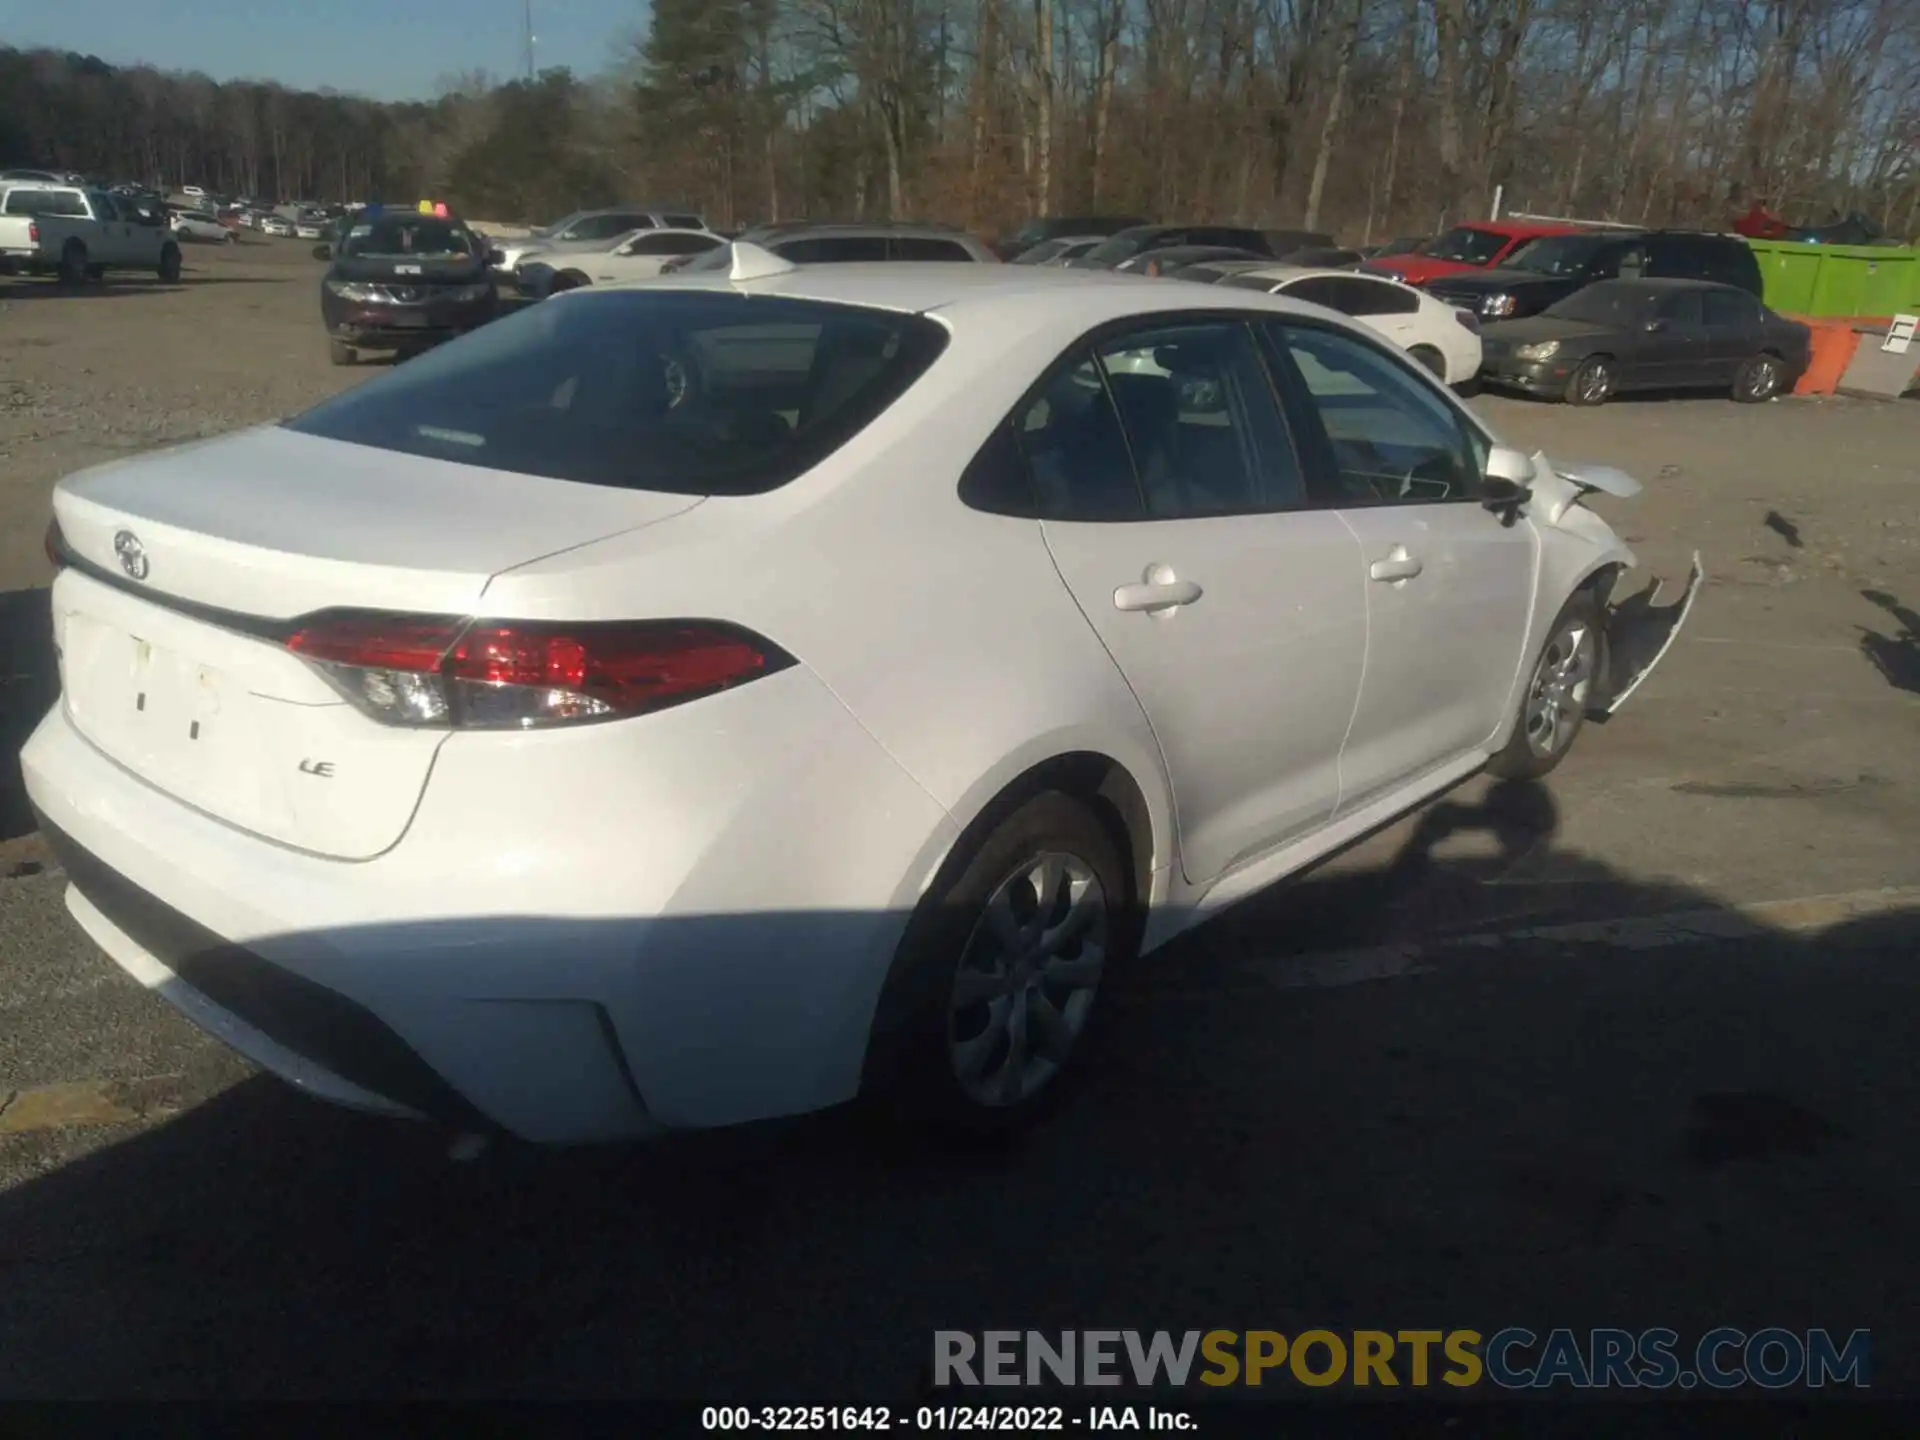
[[1615, 304], [1466, 245], [1560, 254], [399, 236]]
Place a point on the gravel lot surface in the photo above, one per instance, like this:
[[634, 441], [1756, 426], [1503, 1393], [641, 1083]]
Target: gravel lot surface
[[1312, 1112]]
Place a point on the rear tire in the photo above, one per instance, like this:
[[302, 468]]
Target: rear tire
[[566, 280], [1759, 380], [170, 265], [342, 353], [993, 989], [1591, 382], [1563, 681], [73, 264], [1431, 360]]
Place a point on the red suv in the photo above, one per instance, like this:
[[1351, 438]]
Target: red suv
[[1476, 246]]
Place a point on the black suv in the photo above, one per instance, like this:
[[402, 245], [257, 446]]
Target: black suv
[[1554, 266]]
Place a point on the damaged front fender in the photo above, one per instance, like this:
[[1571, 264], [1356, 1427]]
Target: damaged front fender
[[1640, 630]]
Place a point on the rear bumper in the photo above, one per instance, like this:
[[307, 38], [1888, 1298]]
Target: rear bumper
[[677, 922]]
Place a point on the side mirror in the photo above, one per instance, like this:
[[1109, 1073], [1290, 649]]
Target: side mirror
[[1507, 483], [323, 252]]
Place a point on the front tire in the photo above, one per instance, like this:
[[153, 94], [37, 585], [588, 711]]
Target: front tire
[[1560, 686], [1759, 380], [567, 280], [1591, 382], [996, 980]]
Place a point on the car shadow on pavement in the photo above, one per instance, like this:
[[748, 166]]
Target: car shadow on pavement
[[1896, 656], [1715, 1133], [29, 684]]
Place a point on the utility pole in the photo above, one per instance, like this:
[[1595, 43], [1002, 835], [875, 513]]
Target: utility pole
[[529, 38]]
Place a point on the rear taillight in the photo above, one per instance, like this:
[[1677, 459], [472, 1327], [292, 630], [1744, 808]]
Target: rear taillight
[[33, 232], [56, 546], [1468, 319], [510, 674]]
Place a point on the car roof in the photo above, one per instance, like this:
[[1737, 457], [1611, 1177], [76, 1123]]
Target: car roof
[[983, 293], [1277, 273], [1529, 231]]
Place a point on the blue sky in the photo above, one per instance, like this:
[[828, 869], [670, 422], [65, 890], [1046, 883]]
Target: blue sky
[[387, 49]]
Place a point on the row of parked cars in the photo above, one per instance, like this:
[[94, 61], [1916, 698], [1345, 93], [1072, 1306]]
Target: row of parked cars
[[1558, 310]]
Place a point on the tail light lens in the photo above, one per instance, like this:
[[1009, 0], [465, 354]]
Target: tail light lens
[[1468, 319], [442, 671], [33, 232]]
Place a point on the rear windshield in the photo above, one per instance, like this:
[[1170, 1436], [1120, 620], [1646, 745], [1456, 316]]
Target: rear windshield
[[1123, 246], [688, 392], [393, 235], [45, 202]]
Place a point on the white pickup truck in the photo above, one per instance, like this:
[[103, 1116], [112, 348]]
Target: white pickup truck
[[79, 234]]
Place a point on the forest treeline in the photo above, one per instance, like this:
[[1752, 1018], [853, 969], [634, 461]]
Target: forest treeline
[[1364, 116]]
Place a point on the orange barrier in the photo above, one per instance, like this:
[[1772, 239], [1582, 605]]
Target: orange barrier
[[1833, 344]]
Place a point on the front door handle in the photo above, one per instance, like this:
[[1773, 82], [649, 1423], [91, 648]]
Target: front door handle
[[1398, 565], [1159, 591]]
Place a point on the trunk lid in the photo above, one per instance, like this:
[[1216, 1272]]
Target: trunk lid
[[171, 625]]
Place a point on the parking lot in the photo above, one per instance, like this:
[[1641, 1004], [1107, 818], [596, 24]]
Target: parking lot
[[1633, 1047]]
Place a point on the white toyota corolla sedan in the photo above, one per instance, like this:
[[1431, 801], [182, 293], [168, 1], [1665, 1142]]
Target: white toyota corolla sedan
[[715, 699]]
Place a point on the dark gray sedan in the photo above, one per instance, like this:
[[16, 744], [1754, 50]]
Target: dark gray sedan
[[1623, 335]]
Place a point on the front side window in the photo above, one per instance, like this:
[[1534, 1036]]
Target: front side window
[[686, 392], [1390, 440]]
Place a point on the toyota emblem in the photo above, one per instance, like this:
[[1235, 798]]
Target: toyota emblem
[[133, 555]]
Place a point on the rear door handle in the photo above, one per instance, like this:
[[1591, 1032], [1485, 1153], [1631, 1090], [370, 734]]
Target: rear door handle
[[1398, 565], [1159, 590]]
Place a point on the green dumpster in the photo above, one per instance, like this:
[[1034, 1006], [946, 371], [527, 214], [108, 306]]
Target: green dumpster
[[1837, 280]]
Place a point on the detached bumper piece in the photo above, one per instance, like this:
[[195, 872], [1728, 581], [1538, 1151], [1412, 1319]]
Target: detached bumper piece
[[1640, 631], [310, 1020]]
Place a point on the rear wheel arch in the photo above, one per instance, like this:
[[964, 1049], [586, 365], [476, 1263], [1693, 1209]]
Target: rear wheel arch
[[1099, 782]]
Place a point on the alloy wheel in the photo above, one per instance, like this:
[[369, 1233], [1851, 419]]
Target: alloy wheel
[[1026, 980], [1595, 381], [1762, 379], [1557, 694]]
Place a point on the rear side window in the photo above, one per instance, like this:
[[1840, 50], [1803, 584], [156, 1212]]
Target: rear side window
[[1731, 310], [685, 392], [1076, 450], [1377, 297], [923, 247], [834, 249]]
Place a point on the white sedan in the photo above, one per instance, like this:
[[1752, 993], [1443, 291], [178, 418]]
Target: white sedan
[[1442, 337], [199, 225], [638, 256], [684, 703]]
